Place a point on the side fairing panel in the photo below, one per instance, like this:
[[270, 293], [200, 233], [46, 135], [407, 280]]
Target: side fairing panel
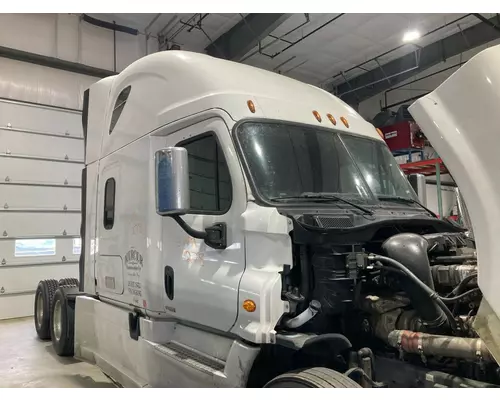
[[461, 118], [90, 228], [96, 117]]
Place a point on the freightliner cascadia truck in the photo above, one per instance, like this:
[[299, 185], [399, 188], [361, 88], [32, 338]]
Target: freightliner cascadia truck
[[244, 229]]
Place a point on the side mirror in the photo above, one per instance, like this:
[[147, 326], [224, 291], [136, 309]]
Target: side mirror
[[172, 195], [172, 181], [417, 182]]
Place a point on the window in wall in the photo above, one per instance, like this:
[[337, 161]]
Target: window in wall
[[119, 106], [209, 180], [109, 203], [77, 246], [35, 247]]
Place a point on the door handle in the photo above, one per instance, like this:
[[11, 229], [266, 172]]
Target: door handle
[[169, 282]]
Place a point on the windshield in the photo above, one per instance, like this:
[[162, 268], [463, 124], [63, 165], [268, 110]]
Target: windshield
[[378, 166], [288, 161]]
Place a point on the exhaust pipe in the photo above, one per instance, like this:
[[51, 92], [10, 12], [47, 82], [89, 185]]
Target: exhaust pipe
[[439, 345]]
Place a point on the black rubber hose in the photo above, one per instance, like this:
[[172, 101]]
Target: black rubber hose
[[459, 289], [426, 289], [460, 296], [463, 283]]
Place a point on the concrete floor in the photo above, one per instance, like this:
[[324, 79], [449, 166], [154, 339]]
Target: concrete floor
[[26, 361]]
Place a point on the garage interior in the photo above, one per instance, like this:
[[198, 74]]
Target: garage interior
[[377, 63]]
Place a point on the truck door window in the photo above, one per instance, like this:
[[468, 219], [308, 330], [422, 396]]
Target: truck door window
[[209, 180], [109, 203], [121, 100]]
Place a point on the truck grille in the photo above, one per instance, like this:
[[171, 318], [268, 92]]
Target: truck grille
[[335, 222]]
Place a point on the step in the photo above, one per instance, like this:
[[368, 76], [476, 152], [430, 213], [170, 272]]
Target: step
[[192, 357]]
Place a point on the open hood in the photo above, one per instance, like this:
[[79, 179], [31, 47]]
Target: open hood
[[461, 118]]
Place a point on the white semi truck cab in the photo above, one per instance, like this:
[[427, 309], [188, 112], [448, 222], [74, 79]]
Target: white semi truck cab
[[242, 229]]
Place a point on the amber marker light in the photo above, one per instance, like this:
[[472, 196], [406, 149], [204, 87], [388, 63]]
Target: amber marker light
[[249, 305], [332, 119], [251, 106], [316, 114]]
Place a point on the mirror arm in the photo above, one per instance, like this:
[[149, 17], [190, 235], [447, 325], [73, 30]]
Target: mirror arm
[[190, 231], [214, 236]]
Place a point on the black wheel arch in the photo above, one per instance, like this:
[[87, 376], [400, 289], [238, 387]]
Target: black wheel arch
[[296, 351]]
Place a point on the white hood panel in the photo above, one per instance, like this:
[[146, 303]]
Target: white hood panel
[[461, 118]]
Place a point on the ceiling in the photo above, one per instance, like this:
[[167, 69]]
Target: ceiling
[[339, 41]]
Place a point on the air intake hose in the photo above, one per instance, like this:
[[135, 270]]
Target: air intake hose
[[410, 250]]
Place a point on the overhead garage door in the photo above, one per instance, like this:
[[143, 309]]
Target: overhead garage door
[[41, 158]]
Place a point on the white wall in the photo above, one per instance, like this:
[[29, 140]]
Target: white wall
[[36, 84], [370, 107], [66, 37], [48, 136]]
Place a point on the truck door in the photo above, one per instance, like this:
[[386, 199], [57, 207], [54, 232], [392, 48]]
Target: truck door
[[201, 283]]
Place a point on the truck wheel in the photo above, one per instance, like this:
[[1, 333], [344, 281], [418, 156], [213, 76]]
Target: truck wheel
[[312, 378], [43, 305], [62, 324], [68, 281]]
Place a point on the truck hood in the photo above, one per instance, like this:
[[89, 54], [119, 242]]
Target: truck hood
[[461, 118]]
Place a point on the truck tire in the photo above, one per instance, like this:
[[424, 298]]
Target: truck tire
[[43, 305], [312, 378], [68, 281], [62, 323]]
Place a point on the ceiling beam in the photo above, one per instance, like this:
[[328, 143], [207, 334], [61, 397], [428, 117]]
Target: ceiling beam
[[52, 62], [375, 81], [245, 35]]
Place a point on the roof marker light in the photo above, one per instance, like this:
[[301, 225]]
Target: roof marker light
[[251, 106], [345, 122], [332, 119], [316, 114]]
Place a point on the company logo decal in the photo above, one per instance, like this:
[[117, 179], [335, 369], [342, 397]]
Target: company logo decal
[[133, 260]]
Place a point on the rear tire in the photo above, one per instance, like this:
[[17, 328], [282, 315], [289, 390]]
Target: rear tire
[[44, 296], [312, 378], [62, 323], [68, 281]]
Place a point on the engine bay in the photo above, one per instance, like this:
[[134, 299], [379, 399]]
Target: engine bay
[[403, 296]]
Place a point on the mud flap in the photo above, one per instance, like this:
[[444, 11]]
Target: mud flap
[[134, 326]]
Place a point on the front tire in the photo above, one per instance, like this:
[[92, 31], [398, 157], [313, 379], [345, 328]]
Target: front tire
[[312, 378], [62, 324], [44, 297]]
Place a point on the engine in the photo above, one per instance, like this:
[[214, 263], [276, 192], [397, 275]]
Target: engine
[[398, 295]]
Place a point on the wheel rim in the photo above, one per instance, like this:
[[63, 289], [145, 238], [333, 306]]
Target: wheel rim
[[57, 320], [39, 309]]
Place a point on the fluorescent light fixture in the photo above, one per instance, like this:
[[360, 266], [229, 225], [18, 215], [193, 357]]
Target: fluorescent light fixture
[[411, 36]]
